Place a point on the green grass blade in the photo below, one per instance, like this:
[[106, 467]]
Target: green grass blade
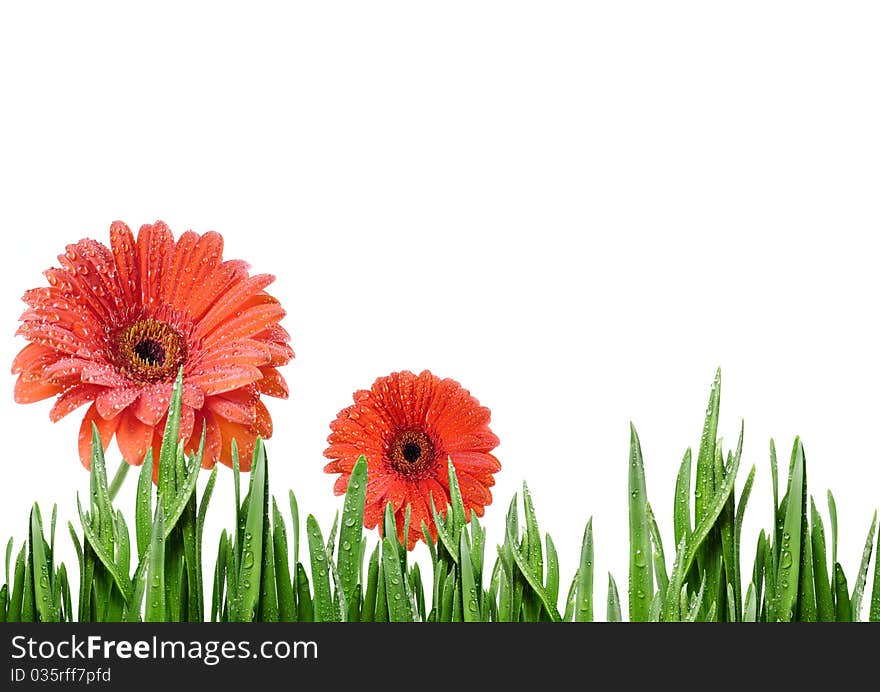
[[323, 601], [862, 576], [874, 612], [469, 588], [42, 579], [395, 592], [249, 569], [533, 535], [106, 558], [368, 612], [832, 512], [155, 610], [672, 611], [641, 581], [824, 596], [614, 614], [167, 486], [294, 525], [143, 523], [284, 585], [787, 578], [737, 539], [351, 531], [705, 482], [552, 585], [844, 606], [583, 610], [659, 555], [305, 608], [750, 610], [682, 510]]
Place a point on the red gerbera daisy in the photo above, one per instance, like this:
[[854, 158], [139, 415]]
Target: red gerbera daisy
[[407, 426], [115, 325]]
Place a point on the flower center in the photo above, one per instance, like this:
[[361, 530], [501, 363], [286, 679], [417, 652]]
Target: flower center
[[149, 350], [412, 452]]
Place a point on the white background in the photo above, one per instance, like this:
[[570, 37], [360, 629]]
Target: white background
[[577, 210]]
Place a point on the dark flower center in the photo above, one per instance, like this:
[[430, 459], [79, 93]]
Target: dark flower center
[[411, 452], [149, 350]]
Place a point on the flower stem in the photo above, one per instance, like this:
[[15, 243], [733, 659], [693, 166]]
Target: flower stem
[[118, 478]]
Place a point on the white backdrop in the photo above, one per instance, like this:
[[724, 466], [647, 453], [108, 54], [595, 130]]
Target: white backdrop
[[576, 211]]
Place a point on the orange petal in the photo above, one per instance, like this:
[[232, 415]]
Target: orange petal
[[30, 388], [123, 246], [33, 357], [180, 267], [72, 399], [230, 301], [111, 402], [152, 404], [248, 323], [106, 428], [133, 437], [155, 243], [219, 380], [272, 383]]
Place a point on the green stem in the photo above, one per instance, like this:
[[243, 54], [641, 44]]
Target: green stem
[[118, 479]]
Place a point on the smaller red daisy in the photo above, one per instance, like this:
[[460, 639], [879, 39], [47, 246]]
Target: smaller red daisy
[[408, 426]]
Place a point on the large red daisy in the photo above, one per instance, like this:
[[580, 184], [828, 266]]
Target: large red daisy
[[116, 324], [407, 426]]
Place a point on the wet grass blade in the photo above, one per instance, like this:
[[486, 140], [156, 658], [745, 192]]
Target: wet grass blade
[[705, 481], [874, 612], [284, 585], [862, 576], [641, 581], [682, 510], [824, 595], [352, 531], [737, 540], [659, 555], [323, 601], [155, 607], [787, 578], [832, 512], [395, 591], [844, 607], [144, 505], [614, 614], [251, 550], [583, 610]]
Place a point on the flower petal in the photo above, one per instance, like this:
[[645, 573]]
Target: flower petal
[[72, 399], [133, 438], [111, 402], [106, 428], [30, 388]]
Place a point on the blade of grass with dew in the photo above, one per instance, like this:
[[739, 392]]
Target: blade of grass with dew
[[368, 610], [284, 585], [106, 558], [143, 516], [737, 538], [533, 580], [641, 582], [219, 578], [824, 596], [155, 606], [705, 482], [844, 607], [323, 599], [249, 568], [862, 576], [613, 612], [671, 611], [352, 530], [583, 609], [471, 609], [305, 607], [832, 512], [874, 612], [42, 574], [750, 609], [682, 509], [659, 555], [787, 578], [552, 582]]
